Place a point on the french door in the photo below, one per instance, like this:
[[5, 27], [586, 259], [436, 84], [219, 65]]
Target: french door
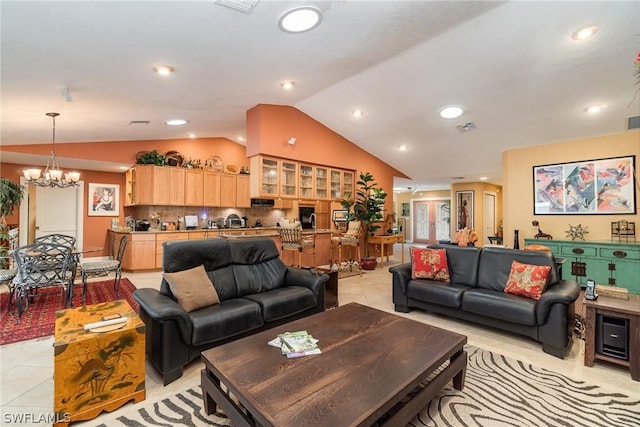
[[431, 219]]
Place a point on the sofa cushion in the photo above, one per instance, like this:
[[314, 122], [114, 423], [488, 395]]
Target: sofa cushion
[[495, 266], [224, 320], [429, 263], [463, 263], [192, 288], [527, 280], [499, 305], [433, 292], [284, 302]]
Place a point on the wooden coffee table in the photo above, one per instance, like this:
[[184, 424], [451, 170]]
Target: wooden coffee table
[[371, 362]]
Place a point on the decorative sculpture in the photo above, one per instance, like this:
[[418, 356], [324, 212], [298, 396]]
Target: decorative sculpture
[[540, 234], [576, 231]]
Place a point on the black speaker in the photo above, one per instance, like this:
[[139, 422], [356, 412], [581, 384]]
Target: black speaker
[[612, 336]]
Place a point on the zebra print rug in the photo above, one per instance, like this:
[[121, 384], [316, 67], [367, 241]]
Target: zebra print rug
[[499, 391]]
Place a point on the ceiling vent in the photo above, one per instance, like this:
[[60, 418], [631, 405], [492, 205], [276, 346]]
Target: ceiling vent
[[632, 122], [139, 122], [245, 6], [467, 127]]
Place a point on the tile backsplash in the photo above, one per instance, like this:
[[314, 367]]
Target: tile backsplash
[[269, 217]]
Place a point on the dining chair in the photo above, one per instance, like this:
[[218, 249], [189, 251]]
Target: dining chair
[[63, 240], [292, 239], [40, 265], [101, 268], [349, 239]]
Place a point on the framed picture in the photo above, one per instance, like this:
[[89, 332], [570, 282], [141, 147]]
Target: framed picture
[[601, 186], [405, 209], [103, 200], [464, 210]]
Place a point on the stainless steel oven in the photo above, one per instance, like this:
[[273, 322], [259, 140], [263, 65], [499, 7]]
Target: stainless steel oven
[[307, 216]]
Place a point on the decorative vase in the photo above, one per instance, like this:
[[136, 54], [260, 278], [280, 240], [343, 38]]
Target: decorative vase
[[368, 263], [516, 240]]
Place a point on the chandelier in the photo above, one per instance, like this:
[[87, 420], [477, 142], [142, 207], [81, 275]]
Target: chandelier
[[53, 176]]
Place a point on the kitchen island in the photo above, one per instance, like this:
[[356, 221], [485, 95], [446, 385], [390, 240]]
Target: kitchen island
[[144, 248]]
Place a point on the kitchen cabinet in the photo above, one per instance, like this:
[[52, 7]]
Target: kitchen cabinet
[[264, 178], [154, 185], [243, 191], [288, 179], [305, 181], [614, 264], [348, 182], [321, 182], [322, 215], [212, 182], [139, 185], [336, 184], [140, 253], [193, 187], [160, 238], [176, 186]]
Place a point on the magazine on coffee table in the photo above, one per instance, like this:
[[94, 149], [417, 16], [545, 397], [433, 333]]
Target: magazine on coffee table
[[296, 344]]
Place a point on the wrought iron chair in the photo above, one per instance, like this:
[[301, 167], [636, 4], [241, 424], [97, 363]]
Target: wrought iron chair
[[40, 265], [350, 239], [8, 270], [63, 240], [292, 239], [102, 268]]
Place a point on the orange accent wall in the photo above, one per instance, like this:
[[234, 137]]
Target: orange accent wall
[[269, 128]]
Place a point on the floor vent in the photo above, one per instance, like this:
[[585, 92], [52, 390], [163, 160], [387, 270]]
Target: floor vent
[[632, 122]]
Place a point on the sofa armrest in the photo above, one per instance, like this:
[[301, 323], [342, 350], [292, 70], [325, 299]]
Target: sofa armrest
[[564, 292], [401, 276], [160, 307], [302, 277]]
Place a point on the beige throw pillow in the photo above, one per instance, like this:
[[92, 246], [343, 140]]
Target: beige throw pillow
[[192, 288]]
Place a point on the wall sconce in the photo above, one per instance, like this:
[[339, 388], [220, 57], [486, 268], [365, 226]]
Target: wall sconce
[[292, 141]]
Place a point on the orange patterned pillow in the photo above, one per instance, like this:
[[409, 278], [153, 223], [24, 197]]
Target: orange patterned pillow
[[429, 264], [527, 280]]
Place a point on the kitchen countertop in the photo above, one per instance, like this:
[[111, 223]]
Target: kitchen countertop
[[255, 231]]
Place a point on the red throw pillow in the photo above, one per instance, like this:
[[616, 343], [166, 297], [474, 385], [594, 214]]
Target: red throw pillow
[[429, 263], [527, 280]]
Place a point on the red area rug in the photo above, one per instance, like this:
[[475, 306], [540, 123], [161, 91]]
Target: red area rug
[[40, 318]]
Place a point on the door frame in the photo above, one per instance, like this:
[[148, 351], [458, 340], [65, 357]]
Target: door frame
[[484, 216], [25, 214], [412, 215]]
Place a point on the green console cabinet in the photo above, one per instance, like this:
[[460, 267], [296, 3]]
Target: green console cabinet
[[614, 264]]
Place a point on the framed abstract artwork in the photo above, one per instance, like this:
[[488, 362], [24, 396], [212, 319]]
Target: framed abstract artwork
[[464, 210], [103, 200], [601, 186]]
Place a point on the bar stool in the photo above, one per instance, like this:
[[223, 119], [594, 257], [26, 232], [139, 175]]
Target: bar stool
[[350, 239], [292, 239]]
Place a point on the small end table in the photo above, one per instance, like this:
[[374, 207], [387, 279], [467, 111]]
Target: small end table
[[628, 310]]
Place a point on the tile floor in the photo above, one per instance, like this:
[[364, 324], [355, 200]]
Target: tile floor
[[26, 383]]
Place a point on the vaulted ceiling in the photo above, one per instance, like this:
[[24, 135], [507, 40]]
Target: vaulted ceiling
[[512, 66]]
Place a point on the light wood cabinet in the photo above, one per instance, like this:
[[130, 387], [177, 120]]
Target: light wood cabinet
[[139, 185], [176, 186], [288, 179], [140, 253], [306, 181], [348, 185], [264, 179], [160, 238], [211, 188], [243, 191], [154, 185], [228, 191], [193, 187], [321, 174]]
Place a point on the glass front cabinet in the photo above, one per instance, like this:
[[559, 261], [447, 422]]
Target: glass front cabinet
[[347, 185], [305, 184], [288, 179], [322, 183]]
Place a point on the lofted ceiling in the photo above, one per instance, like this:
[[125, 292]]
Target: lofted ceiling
[[513, 67]]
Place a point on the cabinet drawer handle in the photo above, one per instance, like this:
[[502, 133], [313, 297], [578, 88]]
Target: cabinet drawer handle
[[578, 251], [619, 254], [614, 335]]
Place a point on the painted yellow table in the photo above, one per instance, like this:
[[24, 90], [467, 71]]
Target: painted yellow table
[[97, 371], [383, 241]]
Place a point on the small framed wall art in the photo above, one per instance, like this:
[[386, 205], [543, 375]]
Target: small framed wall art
[[464, 210], [103, 200]]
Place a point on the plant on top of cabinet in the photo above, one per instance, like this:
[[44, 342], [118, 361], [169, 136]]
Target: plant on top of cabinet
[[151, 158]]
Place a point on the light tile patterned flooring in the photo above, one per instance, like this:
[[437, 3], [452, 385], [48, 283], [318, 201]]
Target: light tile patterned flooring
[[26, 368]]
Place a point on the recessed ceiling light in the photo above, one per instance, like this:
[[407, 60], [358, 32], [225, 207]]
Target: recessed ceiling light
[[358, 113], [241, 138], [483, 178], [192, 135], [403, 147], [300, 19], [175, 122], [593, 109], [287, 85], [163, 70], [585, 32], [451, 112]]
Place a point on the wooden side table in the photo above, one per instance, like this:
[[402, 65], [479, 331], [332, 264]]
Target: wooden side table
[[385, 240], [619, 309], [97, 371]]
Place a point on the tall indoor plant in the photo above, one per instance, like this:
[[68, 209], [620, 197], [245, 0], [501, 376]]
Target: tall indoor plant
[[11, 195], [367, 207]]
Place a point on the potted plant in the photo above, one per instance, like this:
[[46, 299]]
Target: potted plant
[[367, 207], [11, 195], [152, 158]]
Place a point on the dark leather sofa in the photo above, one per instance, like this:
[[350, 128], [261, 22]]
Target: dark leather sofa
[[257, 291], [476, 293]]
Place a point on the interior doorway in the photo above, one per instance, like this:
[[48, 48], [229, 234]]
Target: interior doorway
[[47, 210], [431, 220], [489, 216]]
